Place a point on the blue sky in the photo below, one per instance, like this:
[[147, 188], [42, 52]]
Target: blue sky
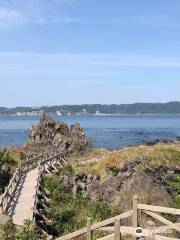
[[89, 51]]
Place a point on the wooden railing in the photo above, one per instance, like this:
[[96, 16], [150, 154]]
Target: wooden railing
[[13, 184], [118, 231], [25, 166], [35, 200], [46, 162]]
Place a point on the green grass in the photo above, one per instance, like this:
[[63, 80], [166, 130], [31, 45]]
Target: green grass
[[158, 155], [9, 231], [70, 214], [175, 183]]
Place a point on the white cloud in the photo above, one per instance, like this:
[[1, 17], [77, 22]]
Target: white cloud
[[20, 12], [9, 16], [24, 12]]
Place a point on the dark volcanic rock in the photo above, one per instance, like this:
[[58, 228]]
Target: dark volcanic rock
[[51, 133], [133, 178]]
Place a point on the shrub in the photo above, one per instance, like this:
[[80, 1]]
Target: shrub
[[9, 231], [68, 213]]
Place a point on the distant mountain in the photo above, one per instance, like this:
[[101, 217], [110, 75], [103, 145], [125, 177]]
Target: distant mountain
[[136, 108]]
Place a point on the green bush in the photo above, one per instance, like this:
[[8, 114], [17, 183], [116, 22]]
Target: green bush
[[7, 164], [174, 184], [9, 231], [70, 214], [28, 232]]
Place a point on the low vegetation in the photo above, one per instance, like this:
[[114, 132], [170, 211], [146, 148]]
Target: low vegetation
[[8, 163], [174, 184], [158, 155], [70, 213], [9, 231], [98, 161]]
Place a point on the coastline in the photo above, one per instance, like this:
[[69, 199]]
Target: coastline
[[96, 115]]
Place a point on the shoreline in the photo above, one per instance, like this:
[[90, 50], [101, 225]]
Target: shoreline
[[96, 115]]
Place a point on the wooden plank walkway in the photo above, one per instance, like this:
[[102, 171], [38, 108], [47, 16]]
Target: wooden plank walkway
[[24, 205]]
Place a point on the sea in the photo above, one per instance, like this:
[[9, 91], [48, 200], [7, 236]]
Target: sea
[[106, 131]]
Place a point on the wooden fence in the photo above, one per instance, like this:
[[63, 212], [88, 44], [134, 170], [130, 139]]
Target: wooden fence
[[116, 230], [47, 164], [42, 160], [7, 196]]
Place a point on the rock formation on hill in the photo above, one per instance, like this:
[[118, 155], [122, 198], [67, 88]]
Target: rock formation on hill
[[51, 133], [149, 184], [151, 172]]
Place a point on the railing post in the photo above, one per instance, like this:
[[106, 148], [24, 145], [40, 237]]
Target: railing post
[[2, 203], [5, 200], [89, 233], [135, 212], [117, 232]]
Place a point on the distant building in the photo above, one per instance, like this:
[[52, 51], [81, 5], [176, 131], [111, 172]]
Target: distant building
[[97, 112], [18, 114], [58, 113]]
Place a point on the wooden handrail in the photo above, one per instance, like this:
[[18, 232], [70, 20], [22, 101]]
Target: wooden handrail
[[156, 237], [96, 226], [45, 159], [173, 211], [22, 168], [36, 194], [11, 188], [148, 209], [163, 220]]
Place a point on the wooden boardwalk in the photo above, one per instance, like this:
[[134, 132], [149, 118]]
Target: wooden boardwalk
[[20, 198], [25, 202]]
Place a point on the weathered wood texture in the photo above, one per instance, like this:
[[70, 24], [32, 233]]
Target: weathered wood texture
[[117, 233], [159, 209], [163, 220], [89, 231]]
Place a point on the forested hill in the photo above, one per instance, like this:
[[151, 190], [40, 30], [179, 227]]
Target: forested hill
[[136, 108]]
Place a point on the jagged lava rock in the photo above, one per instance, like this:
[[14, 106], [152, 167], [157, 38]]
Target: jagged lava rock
[[52, 133]]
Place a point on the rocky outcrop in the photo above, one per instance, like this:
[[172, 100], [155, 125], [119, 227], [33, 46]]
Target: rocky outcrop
[[135, 177], [150, 184], [51, 133], [80, 183]]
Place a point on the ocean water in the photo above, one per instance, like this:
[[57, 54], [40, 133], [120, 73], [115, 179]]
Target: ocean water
[[109, 132]]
